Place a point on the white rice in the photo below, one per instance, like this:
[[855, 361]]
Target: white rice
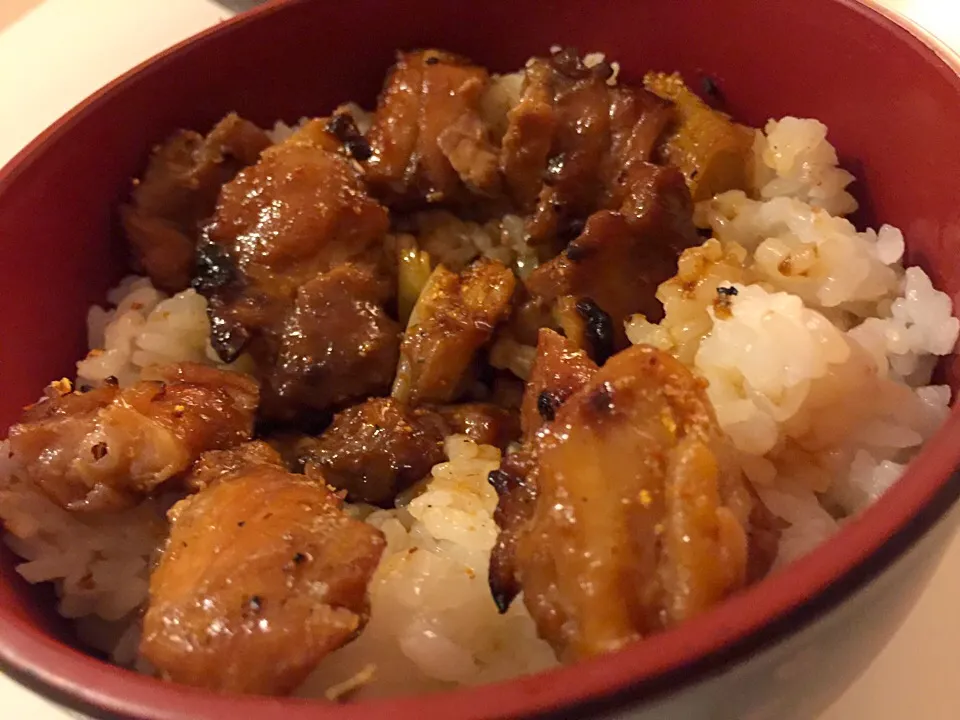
[[99, 564], [433, 623], [794, 159], [819, 364], [456, 243], [819, 368], [147, 328]]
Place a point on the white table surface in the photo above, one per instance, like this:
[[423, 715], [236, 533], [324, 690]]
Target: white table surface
[[53, 53]]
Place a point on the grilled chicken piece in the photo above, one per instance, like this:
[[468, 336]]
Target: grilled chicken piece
[[262, 576], [621, 257], [338, 343], [529, 136], [107, 448], [179, 191], [297, 213], [586, 325], [559, 370], [378, 448], [626, 514], [638, 120], [428, 142], [580, 142], [278, 228], [454, 317], [571, 143], [714, 153]]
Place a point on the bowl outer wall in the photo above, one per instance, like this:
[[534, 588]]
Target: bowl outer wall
[[888, 99]]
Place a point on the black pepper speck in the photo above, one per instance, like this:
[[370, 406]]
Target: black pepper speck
[[548, 403], [99, 451]]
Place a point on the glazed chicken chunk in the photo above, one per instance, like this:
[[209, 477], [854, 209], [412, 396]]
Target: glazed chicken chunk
[[453, 319], [428, 141], [376, 449], [178, 193], [625, 514], [293, 265], [262, 576], [623, 256], [379, 448], [107, 448], [559, 370], [571, 143], [714, 153], [338, 343]]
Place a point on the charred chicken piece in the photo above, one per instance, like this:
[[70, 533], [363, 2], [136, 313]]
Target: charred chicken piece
[[559, 370], [622, 256], [338, 343], [625, 515], [571, 144], [262, 576], [178, 192], [216, 465], [270, 266], [428, 142], [484, 423], [713, 152], [378, 448], [454, 317], [107, 448]]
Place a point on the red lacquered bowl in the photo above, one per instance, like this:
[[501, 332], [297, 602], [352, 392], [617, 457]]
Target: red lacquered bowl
[[782, 649]]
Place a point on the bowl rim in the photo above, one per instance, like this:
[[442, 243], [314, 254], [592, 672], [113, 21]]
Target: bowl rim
[[759, 616]]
